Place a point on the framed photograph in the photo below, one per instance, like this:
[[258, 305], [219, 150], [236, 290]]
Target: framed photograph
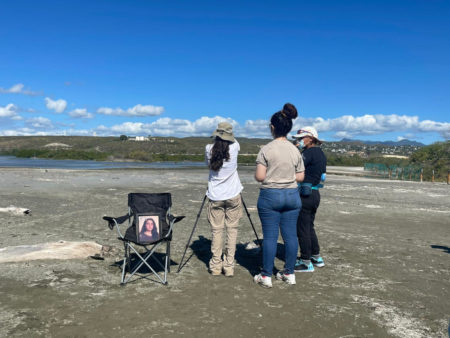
[[148, 228]]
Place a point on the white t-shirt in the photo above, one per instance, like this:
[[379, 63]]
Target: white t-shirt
[[224, 184]]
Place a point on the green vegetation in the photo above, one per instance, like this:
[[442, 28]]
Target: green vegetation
[[139, 155], [433, 157], [342, 160], [156, 149], [358, 161], [392, 171], [119, 148], [59, 154]]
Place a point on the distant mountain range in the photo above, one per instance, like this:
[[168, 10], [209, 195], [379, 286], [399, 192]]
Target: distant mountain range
[[387, 143]]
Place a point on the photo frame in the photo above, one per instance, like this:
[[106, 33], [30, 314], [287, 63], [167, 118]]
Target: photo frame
[[148, 228]]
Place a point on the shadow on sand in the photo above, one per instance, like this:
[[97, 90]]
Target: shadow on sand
[[443, 248], [144, 271], [250, 259]]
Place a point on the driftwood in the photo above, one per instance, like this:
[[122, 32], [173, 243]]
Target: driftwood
[[55, 250]]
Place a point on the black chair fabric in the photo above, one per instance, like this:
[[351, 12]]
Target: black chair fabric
[[145, 204], [157, 204]]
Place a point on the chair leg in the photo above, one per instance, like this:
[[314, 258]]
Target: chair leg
[[167, 262], [125, 262], [168, 255], [128, 256], [144, 259]]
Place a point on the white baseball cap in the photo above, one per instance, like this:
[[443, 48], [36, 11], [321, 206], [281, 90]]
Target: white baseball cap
[[308, 131]]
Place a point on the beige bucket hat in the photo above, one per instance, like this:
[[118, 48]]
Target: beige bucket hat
[[224, 131]]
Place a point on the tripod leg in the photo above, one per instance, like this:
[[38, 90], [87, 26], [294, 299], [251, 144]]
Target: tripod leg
[[192, 233], [249, 218]]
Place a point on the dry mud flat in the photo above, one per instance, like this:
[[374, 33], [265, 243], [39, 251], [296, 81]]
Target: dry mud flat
[[385, 245]]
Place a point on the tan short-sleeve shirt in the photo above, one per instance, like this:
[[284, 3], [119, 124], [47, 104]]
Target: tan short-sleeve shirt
[[282, 160]]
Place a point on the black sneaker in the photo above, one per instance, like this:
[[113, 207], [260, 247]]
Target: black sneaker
[[301, 266]]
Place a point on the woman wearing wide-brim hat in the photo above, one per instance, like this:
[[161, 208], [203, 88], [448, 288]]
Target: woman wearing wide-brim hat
[[224, 193], [315, 167]]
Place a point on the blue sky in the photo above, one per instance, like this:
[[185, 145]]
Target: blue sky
[[373, 70]]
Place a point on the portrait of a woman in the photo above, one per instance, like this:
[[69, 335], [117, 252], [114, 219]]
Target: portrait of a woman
[[149, 230]]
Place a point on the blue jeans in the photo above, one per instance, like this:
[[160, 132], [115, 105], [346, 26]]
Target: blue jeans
[[279, 209]]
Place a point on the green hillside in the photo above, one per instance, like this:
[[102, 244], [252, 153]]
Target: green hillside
[[433, 157], [114, 149]]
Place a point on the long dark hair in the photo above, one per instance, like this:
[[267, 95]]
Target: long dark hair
[[282, 120], [154, 230], [219, 152]]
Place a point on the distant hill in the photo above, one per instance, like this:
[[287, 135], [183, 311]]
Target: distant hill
[[113, 148], [387, 143]]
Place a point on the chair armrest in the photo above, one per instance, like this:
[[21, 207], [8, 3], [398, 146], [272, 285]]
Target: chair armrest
[[172, 220], [175, 219], [111, 221], [115, 221]]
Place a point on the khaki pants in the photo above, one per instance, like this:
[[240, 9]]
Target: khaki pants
[[224, 215]]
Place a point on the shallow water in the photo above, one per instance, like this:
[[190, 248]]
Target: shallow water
[[15, 162]]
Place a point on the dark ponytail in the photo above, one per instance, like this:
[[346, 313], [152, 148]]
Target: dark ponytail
[[282, 120], [219, 153]]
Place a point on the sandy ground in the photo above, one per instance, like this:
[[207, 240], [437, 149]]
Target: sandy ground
[[385, 245]]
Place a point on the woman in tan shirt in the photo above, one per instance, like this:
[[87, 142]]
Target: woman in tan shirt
[[279, 166]]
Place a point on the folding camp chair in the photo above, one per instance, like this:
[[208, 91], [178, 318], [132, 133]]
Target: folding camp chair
[[150, 224]]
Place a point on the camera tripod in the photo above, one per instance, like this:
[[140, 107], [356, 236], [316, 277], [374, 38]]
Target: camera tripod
[[195, 226]]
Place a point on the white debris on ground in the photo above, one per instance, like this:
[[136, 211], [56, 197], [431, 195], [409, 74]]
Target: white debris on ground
[[252, 247], [16, 210], [54, 250], [57, 145]]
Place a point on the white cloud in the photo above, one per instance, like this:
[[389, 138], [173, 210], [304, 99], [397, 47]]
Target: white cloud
[[18, 89], [408, 136], [33, 132], [254, 128], [203, 126], [40, 123], [130, 128], [17, 132], [351, 126], [341, 134], [10, 110], [81, 113], [137, 110], [148, 110], [57, 105], [442, 128], [343, 127], [15, 89]]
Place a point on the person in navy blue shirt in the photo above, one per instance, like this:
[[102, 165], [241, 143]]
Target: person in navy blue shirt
[[315, 163]]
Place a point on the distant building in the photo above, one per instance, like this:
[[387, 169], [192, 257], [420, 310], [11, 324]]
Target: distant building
[[138, 138]]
